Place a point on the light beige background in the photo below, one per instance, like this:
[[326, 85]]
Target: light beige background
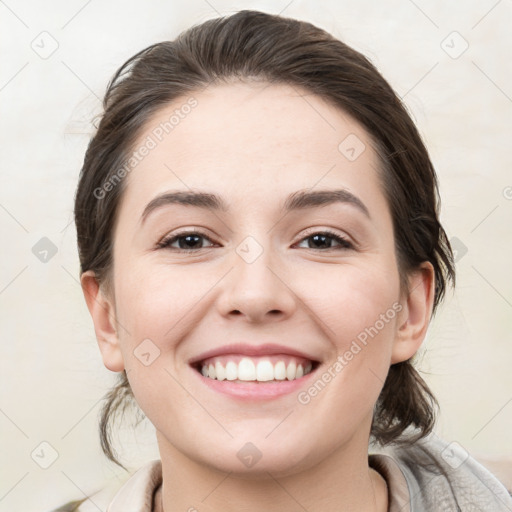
[[52, 375]]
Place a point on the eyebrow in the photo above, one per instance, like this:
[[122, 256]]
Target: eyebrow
[[300, 200]]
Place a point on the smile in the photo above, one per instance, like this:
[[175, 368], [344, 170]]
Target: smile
[[239, 368], [254, 372]]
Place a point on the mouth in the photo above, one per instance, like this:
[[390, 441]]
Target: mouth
[[239, 369], [248, 372]]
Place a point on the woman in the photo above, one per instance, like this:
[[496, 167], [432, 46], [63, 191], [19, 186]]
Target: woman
[[261, 255]]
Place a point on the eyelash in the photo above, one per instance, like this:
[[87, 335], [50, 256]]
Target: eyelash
[[166, 242]]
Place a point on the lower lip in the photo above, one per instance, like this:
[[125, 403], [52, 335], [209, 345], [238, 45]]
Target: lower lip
[[256, 390]]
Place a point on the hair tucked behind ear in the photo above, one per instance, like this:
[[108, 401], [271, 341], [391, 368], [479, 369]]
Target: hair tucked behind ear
[[246, 46]]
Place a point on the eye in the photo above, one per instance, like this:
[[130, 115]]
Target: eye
[[190, 241], [321, 238], [187, 241]]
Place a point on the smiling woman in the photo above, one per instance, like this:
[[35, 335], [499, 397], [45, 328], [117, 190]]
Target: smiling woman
[[262, 275]]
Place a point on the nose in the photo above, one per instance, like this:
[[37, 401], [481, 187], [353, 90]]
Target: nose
[[260, 290]]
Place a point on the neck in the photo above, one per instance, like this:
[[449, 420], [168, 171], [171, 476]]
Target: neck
[[340, 483]]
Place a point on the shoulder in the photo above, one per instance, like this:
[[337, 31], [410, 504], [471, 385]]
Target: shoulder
[[135, 495], [444, 476], [138, 492]]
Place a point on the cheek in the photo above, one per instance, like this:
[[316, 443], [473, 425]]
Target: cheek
[[157, 303], [351, 297], [158, 308], [361, 311], [358, 308]]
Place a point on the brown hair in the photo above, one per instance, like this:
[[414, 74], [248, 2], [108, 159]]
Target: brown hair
[[251, 45]]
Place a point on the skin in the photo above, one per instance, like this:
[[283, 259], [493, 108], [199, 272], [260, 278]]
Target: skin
[[254, 145]]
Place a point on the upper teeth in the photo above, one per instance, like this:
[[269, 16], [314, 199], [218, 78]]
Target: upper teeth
[[247, 369]]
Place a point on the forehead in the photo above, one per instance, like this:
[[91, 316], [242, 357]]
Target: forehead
[[251, 140]]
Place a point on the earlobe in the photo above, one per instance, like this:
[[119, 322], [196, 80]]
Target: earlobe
[[103, 316], [415, 318]]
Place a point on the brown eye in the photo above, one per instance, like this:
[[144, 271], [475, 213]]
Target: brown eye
[[323, 241], [188, 241]]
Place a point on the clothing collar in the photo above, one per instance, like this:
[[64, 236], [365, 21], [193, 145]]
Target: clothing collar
[[142, 491], [398, 490]]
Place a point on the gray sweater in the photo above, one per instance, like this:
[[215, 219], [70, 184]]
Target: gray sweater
[[434, 475]]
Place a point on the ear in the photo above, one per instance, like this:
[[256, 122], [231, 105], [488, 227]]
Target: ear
[[415, 315], [102, 311]]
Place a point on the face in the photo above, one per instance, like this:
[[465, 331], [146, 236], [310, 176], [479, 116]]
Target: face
[[269, 277]]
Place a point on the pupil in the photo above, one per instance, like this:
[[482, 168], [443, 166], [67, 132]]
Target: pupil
[[316, 237], [187, 238]]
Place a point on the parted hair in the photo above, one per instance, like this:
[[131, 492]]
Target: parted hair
[[252, 45]]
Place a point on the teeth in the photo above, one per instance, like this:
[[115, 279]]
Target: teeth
[[291, 371], [220, 372], [231, 371], [262, 371], [280, 371], [246, 369]]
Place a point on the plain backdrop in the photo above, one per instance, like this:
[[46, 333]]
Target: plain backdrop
[[449, 61]]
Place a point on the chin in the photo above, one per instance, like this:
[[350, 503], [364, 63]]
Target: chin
[[254, 460]]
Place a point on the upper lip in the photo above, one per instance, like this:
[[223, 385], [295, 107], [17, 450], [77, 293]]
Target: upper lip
[[266, 349]]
